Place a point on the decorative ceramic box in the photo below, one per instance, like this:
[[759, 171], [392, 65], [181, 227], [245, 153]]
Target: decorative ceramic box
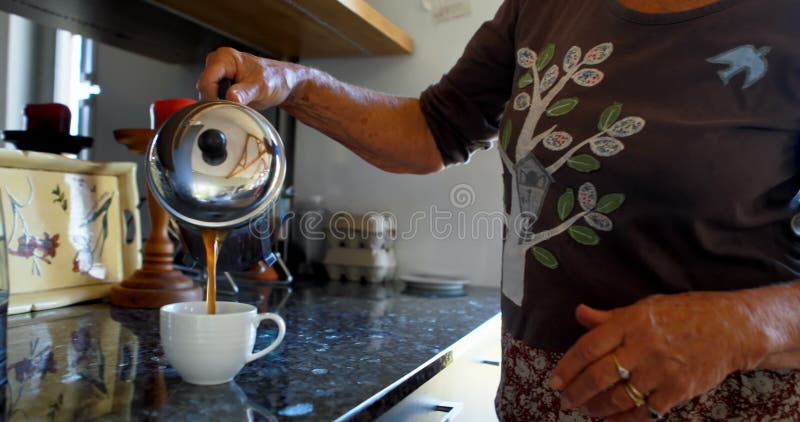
[[72, 228]]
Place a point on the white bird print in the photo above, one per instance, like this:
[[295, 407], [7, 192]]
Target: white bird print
[[745, 58]]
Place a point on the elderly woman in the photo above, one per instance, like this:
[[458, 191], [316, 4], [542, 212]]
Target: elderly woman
[[650, 157]]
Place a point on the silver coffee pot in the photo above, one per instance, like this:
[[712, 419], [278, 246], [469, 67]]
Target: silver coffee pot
[[219, 165]]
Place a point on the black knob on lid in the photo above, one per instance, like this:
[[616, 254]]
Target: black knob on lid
[[212, 143]]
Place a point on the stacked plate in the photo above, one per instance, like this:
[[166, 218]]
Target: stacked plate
[[433, 284]]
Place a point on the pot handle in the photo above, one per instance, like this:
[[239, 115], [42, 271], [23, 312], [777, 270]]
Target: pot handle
[[223, 86]]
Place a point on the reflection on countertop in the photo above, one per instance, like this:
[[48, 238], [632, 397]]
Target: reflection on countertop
[[345, 344]]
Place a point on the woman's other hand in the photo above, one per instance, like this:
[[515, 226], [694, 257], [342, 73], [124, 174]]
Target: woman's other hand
[[675, 347]]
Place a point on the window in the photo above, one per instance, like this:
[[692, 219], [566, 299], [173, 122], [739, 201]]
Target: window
[[73, 71]]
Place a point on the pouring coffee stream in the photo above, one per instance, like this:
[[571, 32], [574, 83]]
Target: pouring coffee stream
[[212, 240], [216, 167]]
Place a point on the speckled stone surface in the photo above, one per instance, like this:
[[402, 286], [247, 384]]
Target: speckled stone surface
[[345, 343]]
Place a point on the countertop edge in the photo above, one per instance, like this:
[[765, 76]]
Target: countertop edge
[[376, 405]]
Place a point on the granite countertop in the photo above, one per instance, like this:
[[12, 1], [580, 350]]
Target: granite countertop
[[347, 345]]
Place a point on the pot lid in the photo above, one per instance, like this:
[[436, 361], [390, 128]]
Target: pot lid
[[216, 164]]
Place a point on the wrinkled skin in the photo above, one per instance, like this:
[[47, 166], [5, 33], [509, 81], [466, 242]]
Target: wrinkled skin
[[259, 82], [676, 347]]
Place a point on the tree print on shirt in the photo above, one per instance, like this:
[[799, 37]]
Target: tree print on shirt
[[542, 82]]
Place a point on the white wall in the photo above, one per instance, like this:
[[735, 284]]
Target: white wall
[[130, 82], [28, 67], [19, 84], [4, 55], [348, 183]]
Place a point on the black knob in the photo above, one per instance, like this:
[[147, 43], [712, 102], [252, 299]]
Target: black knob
[[212, 143]]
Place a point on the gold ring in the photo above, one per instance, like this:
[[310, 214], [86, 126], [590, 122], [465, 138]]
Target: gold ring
[[624, 374], [636, 396]]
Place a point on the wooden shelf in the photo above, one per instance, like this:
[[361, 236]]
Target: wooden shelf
[[181, 31], [298, 28]]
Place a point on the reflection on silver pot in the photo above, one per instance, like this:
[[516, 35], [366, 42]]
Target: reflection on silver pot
[[216, 165]]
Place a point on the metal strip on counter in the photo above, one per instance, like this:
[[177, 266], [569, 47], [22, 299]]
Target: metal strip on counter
[[442, 360]]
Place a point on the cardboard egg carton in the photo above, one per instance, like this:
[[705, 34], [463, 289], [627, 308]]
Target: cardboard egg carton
[[355, 264], [370, 231]]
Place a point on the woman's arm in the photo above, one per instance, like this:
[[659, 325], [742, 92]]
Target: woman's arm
[[776, 309], [389, 132]]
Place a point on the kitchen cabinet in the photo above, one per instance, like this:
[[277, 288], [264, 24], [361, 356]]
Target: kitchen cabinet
[[465, 389], [183, 31]]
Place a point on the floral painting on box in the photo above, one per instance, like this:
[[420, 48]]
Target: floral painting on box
[[59, 227]]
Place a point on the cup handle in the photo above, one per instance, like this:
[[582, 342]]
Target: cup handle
[[281, 332]]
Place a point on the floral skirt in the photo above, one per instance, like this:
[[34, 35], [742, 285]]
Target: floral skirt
[[525, 394]]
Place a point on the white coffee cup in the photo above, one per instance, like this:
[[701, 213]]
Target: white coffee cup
[[211, 349]]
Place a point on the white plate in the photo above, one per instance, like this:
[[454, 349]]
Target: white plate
[[433, 283]]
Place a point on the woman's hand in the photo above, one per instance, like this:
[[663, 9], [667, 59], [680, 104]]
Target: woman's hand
[[675, 347], [258, 82]]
